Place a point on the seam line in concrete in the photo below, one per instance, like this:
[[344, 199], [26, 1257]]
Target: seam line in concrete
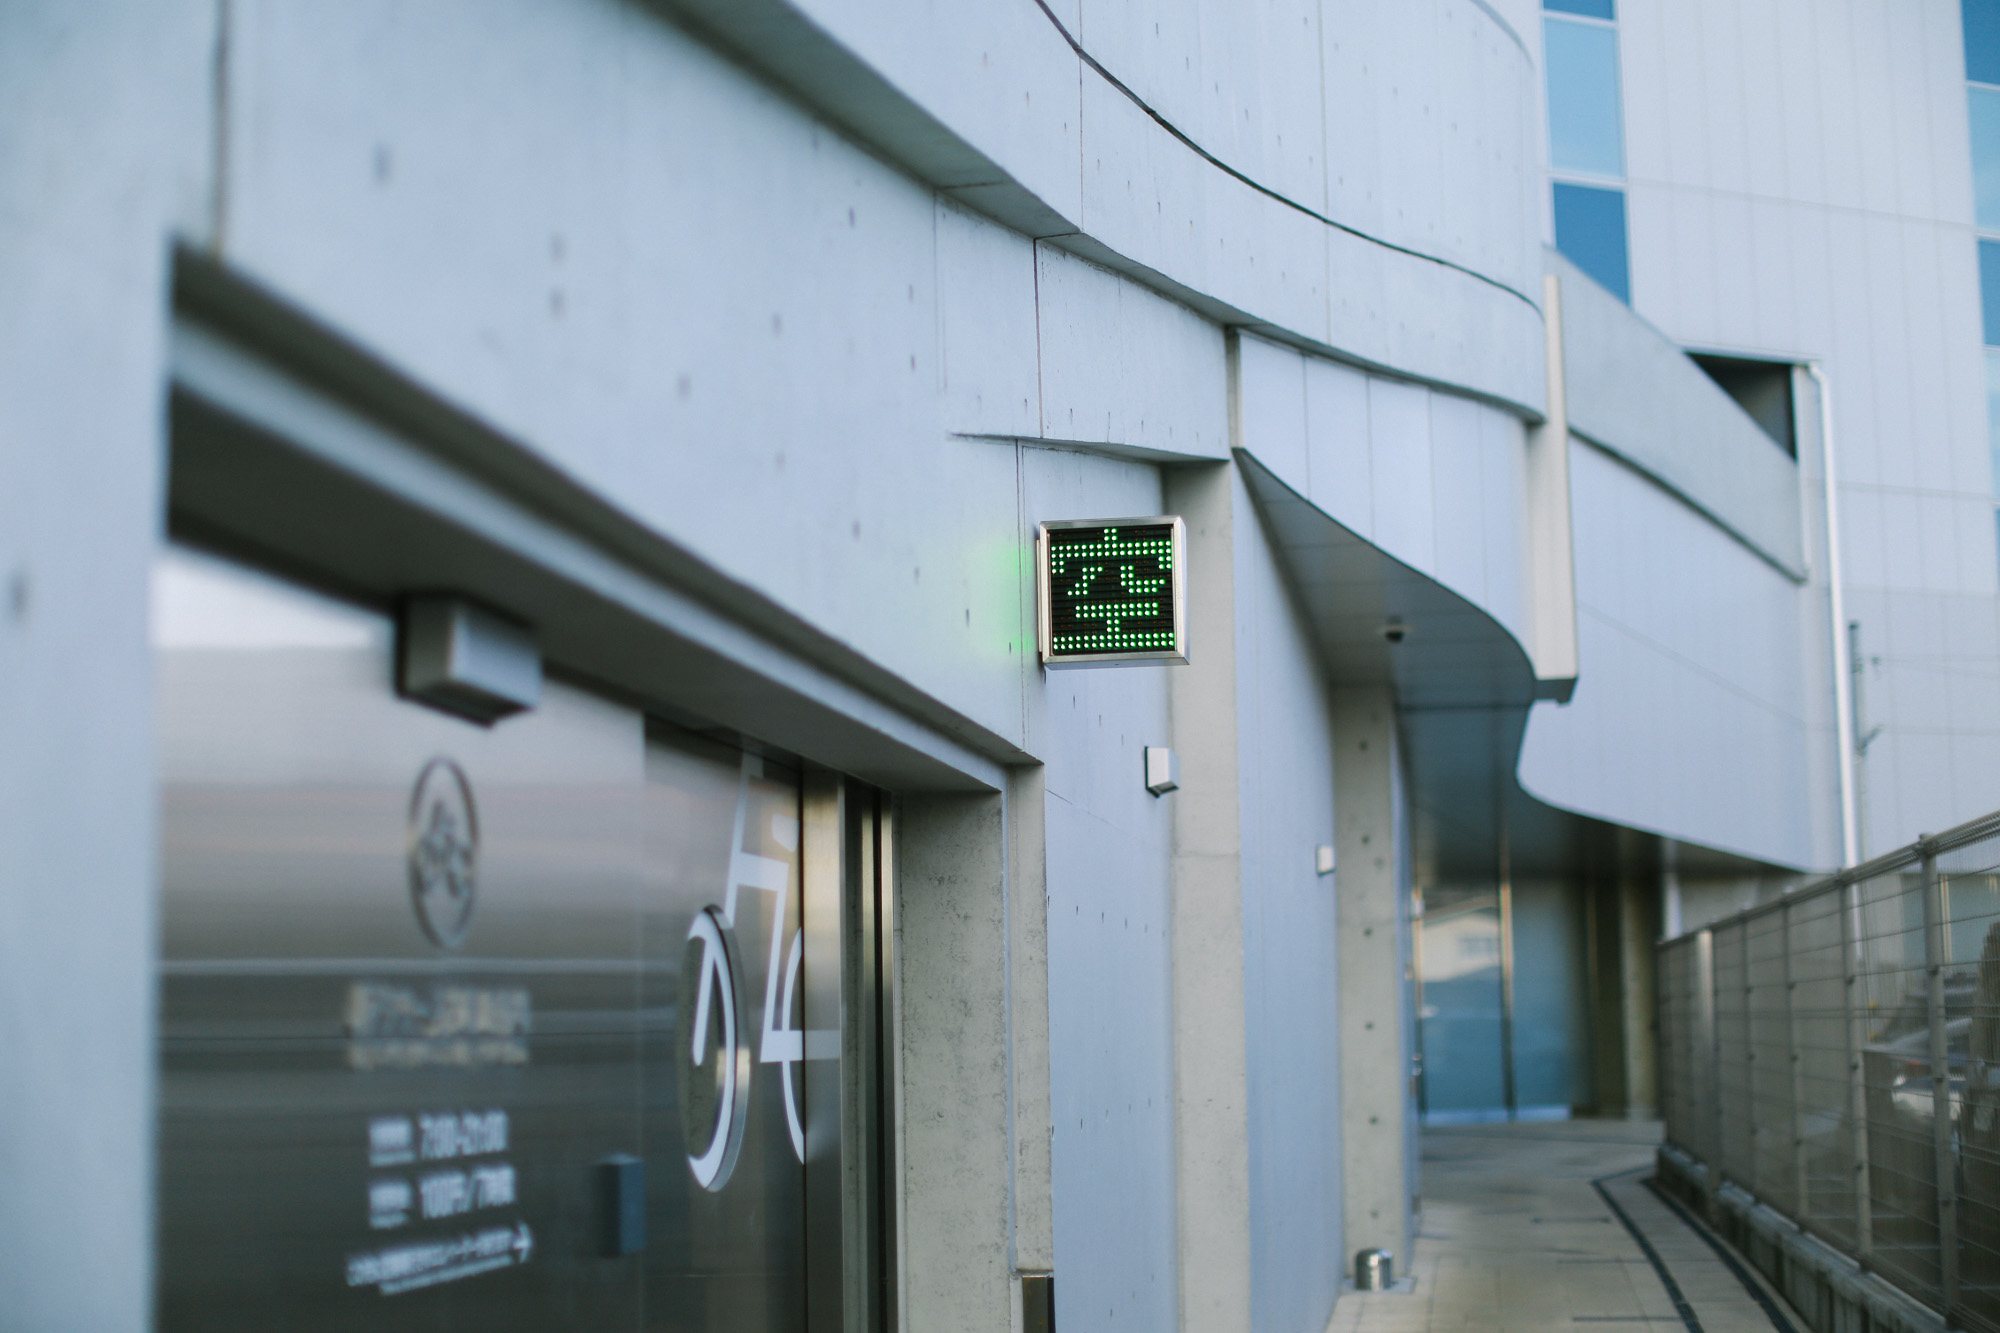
[[1680, 1301], [1729, 1261], [1188, 142]]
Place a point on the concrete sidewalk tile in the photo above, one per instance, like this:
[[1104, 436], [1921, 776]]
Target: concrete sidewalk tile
[[1515, 1238]]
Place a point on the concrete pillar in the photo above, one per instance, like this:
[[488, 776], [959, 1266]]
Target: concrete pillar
[[1638, 923], [1372, 957], [1028, 1009], [1624, 918], [1552, 634], [953, 1066], [972, 1072], [1211, 1124], [103, 136], [1603, 932]]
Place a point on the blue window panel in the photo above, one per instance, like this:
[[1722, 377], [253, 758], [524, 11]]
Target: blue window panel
[[1982, 39], [1984, 106], [1989, 290], [1586, 130], [1590, 230], [1590, 9]]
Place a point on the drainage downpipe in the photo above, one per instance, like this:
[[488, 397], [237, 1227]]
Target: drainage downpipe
[[1843, 681]]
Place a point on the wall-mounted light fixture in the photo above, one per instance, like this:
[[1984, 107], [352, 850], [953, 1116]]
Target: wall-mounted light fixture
[[458, 656]]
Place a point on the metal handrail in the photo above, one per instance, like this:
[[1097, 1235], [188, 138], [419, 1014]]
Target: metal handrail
[[1835, 1053], [1932, 844]]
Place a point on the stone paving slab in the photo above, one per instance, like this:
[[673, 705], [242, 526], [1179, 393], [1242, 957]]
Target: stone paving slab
[[1517, 1238]]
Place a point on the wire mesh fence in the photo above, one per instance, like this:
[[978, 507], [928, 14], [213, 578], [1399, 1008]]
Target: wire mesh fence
[[1836, 1053]]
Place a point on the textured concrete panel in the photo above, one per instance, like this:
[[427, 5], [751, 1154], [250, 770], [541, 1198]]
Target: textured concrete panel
[[505, 203], [1292, 997], [1122, 365], [1112, 1056], [1243, 80], [103, 129], [1337, 444], [1271, 409], [987, 357], [1212, 1166], [1687, 718], [957, 1172]]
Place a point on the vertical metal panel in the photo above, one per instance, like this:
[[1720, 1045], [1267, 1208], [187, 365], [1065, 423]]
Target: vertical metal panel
[[1857, 1035], [850, 1131], [722, 838], [1038, 1303], [894, 1227], [1711, 1101], [1817, 978], [372, 1115], [317, 1023], [1946, 1166], [1902, 1161], [1464, 1024], [822, 848], [1736, 1109], [1970, 891], [1671, 1010], [864, 1143], [1510, 1095], [1793, 1055], [1767, 1064], [1690, 1132]]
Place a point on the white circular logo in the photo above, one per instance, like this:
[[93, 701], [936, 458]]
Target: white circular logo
[[715, 1057], [443, 852]]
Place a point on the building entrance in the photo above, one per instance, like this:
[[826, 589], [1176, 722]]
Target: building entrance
[[532, 1025], [1503, 1020]]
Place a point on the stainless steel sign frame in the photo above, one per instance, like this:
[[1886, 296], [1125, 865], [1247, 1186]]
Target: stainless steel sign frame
[[1111, 592]]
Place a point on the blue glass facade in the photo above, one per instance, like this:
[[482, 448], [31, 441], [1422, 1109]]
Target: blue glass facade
[[1590, 231], [1585, 126], [1587, 139]]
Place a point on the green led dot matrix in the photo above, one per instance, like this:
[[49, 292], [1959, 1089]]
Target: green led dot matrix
[[1111, 592]]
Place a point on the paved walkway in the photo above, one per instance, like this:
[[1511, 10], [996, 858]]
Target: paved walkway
[[1516, 1237]]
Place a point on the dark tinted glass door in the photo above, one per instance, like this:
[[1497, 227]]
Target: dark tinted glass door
[[437, 997]]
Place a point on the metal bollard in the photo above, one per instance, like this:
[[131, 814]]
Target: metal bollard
[[1374, 1270]]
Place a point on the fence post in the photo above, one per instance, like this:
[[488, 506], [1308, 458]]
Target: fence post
[[1801, 1193], [1711, 1058], [1753, 1131], [1668, 1047], [1857, 1089], [1941, 1132]]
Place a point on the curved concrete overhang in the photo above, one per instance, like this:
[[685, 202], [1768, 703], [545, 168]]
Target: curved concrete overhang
[[1634, 393], [1463, 686], [988, 105]]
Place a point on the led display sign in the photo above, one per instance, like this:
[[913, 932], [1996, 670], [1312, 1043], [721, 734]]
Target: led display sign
[[1112, 592]]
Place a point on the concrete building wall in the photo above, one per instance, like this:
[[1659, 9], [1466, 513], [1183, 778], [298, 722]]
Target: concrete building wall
[[835, 309], [102, 126], [1291, 976], [1434, 479], [1110, 999], [1682, 661], [715, 328], [1818, 207]]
